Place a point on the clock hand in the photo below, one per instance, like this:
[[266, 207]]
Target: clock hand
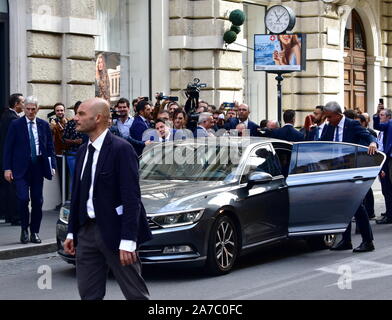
[[281, 17]]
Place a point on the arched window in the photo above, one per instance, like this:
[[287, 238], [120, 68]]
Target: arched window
[[4, 54]]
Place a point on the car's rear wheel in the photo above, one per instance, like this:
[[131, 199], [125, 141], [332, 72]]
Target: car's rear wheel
[[223, 246], [321, 242]]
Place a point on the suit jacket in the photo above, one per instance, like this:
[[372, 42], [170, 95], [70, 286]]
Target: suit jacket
[[385, 127], [17, 151], [6, 119], [136, 134], [252, 127], [353, 132], [288, 133], [116, 183]]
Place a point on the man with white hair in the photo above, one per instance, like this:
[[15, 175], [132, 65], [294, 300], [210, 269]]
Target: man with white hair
[[342, 129], [28, 159], [205, 124]]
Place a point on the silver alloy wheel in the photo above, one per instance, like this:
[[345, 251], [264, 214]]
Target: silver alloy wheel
[[225, 245]]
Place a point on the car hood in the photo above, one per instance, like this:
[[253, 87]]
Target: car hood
[[166, 196]]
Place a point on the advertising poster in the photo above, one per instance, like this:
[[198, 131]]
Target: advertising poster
[[284, 52], [108, 76]]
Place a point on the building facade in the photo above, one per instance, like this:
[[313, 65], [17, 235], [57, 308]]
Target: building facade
[[72, 50]]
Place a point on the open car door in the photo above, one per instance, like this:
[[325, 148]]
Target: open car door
[[327, 182]]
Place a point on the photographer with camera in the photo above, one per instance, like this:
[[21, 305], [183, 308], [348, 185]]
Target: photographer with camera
[[192, 107], [121, 117]]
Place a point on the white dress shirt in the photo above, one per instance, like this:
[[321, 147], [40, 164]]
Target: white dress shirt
[[35, 133], [340, 127], [125, 127], [320, 130], [125, 245]]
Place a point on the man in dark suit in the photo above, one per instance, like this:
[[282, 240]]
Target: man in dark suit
[[28, 159], [141, 124], [107, 220], [342, 129], [243, 117], [7, 190], [287, 132], [315, 132], [382, 122]]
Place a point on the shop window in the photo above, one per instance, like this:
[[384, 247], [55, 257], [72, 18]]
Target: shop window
[[122, 65]]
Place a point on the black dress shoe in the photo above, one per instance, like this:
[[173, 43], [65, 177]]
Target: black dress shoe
[[34, 238], [24, 237], [365, 247], [342, 245], [384, 220]]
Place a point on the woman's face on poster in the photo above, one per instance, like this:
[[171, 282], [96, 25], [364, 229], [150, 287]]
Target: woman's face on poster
[[285, 39], [100, 63]]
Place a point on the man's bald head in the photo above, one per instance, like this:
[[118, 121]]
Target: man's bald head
[[98, 106], [243, 112], [93, 116]]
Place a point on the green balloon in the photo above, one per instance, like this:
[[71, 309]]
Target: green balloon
[[236, 29], [230, 36], [237, 17]]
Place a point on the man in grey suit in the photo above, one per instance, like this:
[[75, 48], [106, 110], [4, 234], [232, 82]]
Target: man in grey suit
[[107, 220]]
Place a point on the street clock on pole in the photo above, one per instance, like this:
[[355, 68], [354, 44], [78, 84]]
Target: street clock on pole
[[280, 19]]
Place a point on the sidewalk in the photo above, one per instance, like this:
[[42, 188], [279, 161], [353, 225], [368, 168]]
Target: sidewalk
[[11, 248]]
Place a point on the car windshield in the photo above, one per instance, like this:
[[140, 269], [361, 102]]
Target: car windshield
[[191, 161]]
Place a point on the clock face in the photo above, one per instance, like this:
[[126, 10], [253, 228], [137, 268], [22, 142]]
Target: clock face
[[278, 19]]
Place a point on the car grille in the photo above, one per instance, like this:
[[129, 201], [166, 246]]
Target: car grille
[[153, 225]]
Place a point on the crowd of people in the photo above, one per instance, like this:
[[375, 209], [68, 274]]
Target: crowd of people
[[32, 149], [142, 123]]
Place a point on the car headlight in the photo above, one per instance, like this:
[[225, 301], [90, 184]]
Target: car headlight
[[64, 215], [177, 219]]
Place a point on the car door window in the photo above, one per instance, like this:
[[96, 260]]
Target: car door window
[[365, 161], [262, 159], [323, 157]]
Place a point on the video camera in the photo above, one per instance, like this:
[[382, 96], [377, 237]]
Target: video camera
[[115, 114], [161, 96], [193, 88], [192, 91]]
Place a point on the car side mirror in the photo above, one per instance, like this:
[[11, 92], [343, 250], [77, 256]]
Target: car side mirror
[[258, 178]]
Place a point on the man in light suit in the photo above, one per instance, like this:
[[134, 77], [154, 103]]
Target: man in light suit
[[342, 129], [107, 220], [28, 159], [204, 126]]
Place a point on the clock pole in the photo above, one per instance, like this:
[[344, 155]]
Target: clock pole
[[279, 79]]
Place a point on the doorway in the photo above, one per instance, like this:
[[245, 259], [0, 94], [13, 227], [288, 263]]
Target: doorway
[[4, 55], [355, 65]]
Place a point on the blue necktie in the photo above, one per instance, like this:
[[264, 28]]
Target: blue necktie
[[337, 138], [32, 143]]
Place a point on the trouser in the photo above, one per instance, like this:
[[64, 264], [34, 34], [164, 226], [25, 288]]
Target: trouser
[[30, 187], [369, 203], [362, 221], [386, 188], [59, 165], [71, 162], [93, 260]]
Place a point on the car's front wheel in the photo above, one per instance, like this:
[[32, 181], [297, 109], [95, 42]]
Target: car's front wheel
[[223, 246]]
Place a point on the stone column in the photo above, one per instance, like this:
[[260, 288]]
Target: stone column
[[386, 30], [197, 50], [60, 50]]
